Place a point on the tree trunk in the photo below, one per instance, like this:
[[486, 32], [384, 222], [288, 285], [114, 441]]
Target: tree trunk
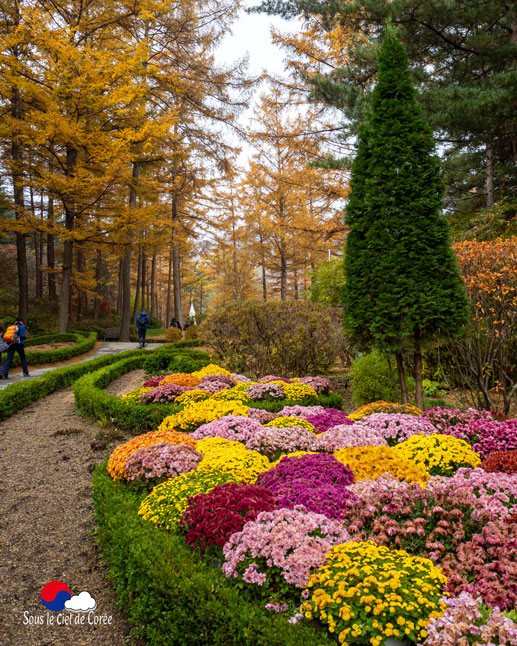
[[145, 305], [169, 287], [402, 377], [126, 273], [176, 266], [418, 380], [489, 174], [296, 294], [79, 264], [19, 207], [154, 311], [283, 277], [98, 271], [68, 249], [120, 289], [137, 295], [38, 277], [51, 258], [201, 299]]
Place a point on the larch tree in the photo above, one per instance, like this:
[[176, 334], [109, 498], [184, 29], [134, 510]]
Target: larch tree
[[403, 290]]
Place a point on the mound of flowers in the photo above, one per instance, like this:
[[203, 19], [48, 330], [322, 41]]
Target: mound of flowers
[[467, 620], [290, 420], [134, 395], [317, 481], [373, 461], [438, 454], [119, 456], [345, 436], [278, 551], [486, 436], [273, 442], [329, 418], [501, 461], [161, 460], [443, 418], [366, 592], [384, 407], [211, 518], [198, 413], [229, 427], [397, 427], [164, 394], [231, 457], [181, 379]]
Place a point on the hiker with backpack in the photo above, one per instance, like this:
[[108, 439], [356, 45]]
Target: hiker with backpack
[[14, 336], [142, 323]]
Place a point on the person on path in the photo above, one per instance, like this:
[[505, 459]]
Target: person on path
[[175, 323], [142, 323], [16, 346]]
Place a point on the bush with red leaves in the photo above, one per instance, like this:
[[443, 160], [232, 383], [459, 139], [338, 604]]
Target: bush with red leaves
[[211, 518], [505, 461]]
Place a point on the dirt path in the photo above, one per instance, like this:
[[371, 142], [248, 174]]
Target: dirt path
[[46, 523]]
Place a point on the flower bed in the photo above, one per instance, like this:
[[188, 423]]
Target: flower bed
[[358, 539]]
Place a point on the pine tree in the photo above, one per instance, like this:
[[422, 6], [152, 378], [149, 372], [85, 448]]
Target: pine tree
[[402, 288]]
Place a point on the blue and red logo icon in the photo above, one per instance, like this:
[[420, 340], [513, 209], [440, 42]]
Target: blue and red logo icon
[[54, 595]]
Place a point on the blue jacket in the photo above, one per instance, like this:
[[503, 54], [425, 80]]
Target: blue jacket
[[146, 320], [21, 333]]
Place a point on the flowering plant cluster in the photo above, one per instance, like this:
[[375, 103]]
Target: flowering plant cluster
[[241, 378], [284, 422], [443, 418], [161, 394], [495, 494], [154, 381], [501, 461], [211, 369], [345, 436], [237, 393], [273, 441], [232, 457], [133, 396], [384, 407], [487, 436], [229, 427], [265, 391], [279, 550], [161, 460], [202, 412], [268, 378], [301, 411], [397, 427], [300, 392], [438, 454], [118, 458], [193, 395], [181, 379], [320, 384], [211, 518], [167, 502], [261, 415], [227, 380], [427, 522], [366, 592], [329, 418], [467, 620], [372, 461]]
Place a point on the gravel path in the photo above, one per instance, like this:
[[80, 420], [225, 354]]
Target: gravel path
[[46, 523]]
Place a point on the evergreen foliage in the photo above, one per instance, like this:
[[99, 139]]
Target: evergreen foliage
[[403, 287]]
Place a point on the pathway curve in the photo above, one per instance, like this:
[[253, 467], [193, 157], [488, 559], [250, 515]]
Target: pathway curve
[[108, 347], [46, 524]]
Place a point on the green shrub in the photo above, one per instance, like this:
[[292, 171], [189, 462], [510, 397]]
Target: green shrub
[[372, 381], [175, 357], [191, 332], [287, 338], [154, 322], [82, 345], [173, 334], [172, 595]]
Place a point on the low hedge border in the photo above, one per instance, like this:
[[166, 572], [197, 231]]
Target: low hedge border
[[94, 402], [82, 345], [19, 395], [171, 594]]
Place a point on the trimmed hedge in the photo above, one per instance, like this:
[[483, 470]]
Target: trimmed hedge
[[19, 395], [94, 402], [171, 593], [169, 358], [82, 344]]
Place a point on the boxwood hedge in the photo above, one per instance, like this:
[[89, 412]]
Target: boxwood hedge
[[172, 594], [82, 344]]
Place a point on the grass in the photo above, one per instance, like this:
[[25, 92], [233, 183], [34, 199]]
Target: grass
[[156, 331]]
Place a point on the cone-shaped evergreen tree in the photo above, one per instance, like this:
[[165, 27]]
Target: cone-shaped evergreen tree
[[403, 288]]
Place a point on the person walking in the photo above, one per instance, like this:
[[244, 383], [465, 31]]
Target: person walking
[[14, 336], [175, 323], [142, 323]]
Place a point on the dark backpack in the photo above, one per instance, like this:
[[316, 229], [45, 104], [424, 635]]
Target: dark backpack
[[141, 320]]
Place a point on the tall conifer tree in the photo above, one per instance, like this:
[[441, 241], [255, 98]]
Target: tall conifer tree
[[403, 289]]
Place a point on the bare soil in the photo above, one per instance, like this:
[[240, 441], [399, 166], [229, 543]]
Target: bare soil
[[48, 452]]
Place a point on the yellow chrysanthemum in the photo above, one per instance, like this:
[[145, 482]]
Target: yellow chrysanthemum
[[192, 416], [438, 454], [191, 396], [372, 461], [211, 369], [384, 407], [133, 396], [283, 422]]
